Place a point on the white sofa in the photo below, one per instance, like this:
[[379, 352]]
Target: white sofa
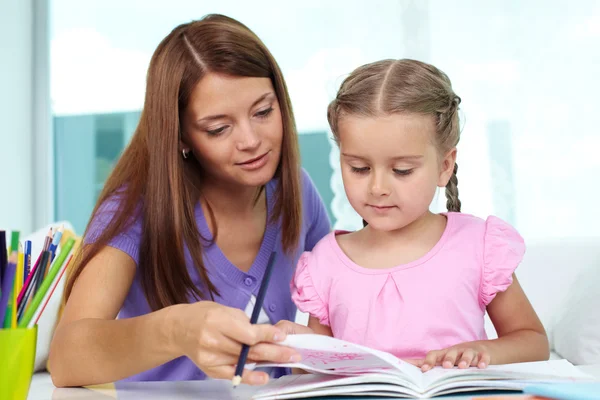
[[562, 280]]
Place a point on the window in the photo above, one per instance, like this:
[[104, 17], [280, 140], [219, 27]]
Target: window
[[526, 72]]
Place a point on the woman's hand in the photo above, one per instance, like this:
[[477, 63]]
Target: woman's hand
[[465, 355], [292, 328], [211, 335]]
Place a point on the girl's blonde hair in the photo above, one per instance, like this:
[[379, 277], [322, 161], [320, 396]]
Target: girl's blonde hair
[[396, 86]]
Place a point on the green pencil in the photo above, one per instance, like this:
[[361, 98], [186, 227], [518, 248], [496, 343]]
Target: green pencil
[[41, 293], [14, 241]]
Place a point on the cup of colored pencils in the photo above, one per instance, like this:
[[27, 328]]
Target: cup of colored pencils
[[25, 289]]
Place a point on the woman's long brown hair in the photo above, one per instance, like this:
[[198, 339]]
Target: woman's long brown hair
[[154, 182]]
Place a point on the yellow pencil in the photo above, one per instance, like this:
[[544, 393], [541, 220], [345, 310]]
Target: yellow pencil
[[18, 286]]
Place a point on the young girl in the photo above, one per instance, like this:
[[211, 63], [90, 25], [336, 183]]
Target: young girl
[[411, 282]]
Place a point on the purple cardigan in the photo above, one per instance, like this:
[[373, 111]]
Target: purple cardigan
[[235, 287]]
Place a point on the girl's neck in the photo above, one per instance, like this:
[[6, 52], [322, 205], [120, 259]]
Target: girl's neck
[[420, 227]]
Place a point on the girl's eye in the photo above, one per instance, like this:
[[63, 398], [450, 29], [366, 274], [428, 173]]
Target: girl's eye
[[264, 113], [403, 172], [361, 170], [216, 132]]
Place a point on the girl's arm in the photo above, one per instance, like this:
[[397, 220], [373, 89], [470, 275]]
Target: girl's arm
[[313, 323], [91, 347], [521, 336]]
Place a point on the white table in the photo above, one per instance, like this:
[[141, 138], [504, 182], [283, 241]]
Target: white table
[[43, 389]]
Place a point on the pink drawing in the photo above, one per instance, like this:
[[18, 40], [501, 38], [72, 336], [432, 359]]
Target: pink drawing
[[315, 357]]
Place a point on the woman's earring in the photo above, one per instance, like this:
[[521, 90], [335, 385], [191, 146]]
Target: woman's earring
[[185, 154]]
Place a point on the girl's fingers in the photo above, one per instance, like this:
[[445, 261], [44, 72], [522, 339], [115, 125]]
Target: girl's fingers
[[416, 362], [432, 359], [484, 360], [450, 358], [467, 358]]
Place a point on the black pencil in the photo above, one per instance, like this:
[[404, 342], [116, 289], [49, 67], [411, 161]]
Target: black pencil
[[3, 254], [239, 370]]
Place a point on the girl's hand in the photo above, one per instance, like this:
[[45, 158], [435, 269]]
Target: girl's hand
[[465, 355], [211, 335]]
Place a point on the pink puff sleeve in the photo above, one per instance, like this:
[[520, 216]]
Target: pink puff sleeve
[[503, 251], [304, 291]]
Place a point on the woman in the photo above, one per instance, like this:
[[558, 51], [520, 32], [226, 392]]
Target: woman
[[209, 186]]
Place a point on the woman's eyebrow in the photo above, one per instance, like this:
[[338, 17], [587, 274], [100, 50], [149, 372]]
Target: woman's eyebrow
[[220, 116]]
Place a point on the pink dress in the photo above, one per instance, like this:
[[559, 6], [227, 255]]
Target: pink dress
[[431, 303]]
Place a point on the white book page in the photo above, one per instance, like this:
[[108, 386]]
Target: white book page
[[292, 386], [556, 370], [328, 355]]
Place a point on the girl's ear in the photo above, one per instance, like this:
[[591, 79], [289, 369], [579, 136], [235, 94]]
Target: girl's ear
[[447, 167]]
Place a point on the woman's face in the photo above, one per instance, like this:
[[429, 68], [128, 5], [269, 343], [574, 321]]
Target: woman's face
[[233, 126]]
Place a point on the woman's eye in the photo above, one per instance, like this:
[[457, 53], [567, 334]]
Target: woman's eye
[[264, 113], [360, 170], [218, 131], [403, 172]]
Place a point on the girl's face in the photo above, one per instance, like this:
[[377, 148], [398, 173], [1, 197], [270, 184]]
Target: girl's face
[[233, 126], [391, 167]]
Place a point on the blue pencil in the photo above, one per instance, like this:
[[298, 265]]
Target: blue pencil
[[27, 260], [55, 242], [239, 370]]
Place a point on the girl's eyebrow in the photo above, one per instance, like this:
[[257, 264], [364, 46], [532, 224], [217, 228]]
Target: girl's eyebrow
[[397, 158]]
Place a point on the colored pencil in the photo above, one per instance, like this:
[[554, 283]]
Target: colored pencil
[[17, 286], [7, 285], [27, 260], [29, 279], [14, 241], [39, 313], [3, 254], [39, 295], [56, 241], [237, 378]]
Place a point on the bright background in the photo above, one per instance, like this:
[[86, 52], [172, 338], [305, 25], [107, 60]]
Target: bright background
[[72, 84]]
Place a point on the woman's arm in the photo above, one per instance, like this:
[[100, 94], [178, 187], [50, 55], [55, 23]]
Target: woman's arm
[[521, 336], [91, 347]]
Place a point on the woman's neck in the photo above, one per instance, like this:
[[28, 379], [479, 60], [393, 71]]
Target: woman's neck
[[232, 199]]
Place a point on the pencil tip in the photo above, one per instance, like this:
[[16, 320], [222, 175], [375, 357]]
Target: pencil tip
[[236, 381]]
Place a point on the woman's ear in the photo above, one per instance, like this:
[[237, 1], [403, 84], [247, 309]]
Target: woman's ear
[[447, 167]]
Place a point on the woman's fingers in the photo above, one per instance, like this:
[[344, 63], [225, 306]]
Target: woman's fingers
[[273, 353], [291, 328], [239, 329], [248, 376]]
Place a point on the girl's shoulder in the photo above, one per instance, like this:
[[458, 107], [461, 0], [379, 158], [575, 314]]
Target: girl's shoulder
[[463, 224], [325, 250]]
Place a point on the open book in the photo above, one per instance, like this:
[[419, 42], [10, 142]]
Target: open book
[[341, 368]]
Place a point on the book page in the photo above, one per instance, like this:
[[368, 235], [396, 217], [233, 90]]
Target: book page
[[324, 354], [531, 371]]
